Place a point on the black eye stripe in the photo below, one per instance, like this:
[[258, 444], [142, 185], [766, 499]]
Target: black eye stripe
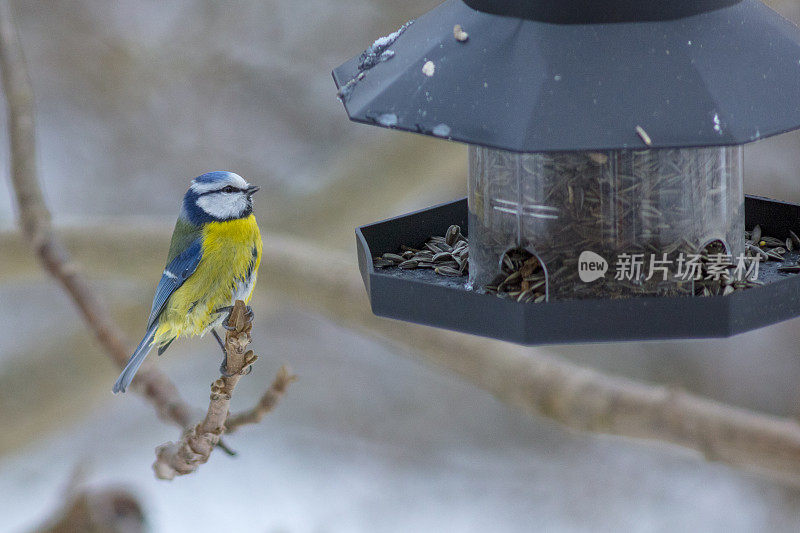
[[235, 189]]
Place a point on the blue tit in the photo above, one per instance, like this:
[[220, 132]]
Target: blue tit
[[212, 262]]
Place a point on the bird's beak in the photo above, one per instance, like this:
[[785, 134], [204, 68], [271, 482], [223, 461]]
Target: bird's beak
[[252, 189]]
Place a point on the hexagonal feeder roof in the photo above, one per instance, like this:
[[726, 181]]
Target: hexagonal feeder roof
[[576, 75]]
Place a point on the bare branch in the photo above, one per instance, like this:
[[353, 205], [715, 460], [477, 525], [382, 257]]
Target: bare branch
[[34, 219], [265, 405], [195, 447]]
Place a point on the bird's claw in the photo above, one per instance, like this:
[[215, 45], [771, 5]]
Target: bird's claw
[[223, 369], [224, 447], [249, 315]]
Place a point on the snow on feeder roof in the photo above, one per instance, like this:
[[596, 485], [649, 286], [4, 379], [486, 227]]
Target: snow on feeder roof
[[577, 75], [598, 130]]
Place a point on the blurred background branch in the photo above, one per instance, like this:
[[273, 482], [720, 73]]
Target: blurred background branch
[[107, 510], [35, 224], [577, 397]]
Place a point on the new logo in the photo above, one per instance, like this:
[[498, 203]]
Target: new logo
[[591, 267]]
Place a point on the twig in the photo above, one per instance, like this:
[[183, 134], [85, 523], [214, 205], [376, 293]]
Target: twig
[[265, 405], [195, 447]]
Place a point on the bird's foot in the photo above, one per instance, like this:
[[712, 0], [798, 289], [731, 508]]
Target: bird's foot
[[248, 314], [223, 369], [224, 447], [247, 365]]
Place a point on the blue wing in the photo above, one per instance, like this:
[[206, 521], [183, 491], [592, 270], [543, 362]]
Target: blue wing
[[177, 271]]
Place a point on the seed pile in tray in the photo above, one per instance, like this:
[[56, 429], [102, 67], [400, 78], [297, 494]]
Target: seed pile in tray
[[447, 256], [772, 249], [521, 277], [724, 284]]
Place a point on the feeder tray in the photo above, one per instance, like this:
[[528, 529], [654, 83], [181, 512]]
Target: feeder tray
[[423, 297]]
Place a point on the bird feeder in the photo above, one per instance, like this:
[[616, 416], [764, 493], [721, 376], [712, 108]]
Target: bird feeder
[[600, 134]]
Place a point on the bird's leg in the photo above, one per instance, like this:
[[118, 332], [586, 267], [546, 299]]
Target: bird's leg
[[223, 366], [220, 342], [226, 309]]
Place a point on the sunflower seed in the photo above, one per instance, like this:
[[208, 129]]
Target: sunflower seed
[[452, 235], [393, 257], [447, 271], [771, 241], [755, 235], [433, 248]]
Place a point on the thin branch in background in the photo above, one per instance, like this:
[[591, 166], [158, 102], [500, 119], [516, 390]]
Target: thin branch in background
[[109, 510], [195, 447], [34, 219], [541, 384], [35, 223]]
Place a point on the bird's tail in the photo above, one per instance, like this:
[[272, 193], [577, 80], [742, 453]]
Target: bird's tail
[[135, 361]]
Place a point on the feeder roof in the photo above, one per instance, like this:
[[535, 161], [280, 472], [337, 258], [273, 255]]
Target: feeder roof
[[704, 73]]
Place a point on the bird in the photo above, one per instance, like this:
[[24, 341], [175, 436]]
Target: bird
[[213, 261]]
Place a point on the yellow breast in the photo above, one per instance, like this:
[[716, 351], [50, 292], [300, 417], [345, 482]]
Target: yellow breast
[[231, 257]]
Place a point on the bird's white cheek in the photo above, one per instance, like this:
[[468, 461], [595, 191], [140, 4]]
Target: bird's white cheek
[[223, 205]]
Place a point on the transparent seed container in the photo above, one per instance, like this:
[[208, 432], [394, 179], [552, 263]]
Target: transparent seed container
[[620, 205]]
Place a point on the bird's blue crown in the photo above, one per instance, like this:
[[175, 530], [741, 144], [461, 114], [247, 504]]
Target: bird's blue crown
[[216, 177]]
